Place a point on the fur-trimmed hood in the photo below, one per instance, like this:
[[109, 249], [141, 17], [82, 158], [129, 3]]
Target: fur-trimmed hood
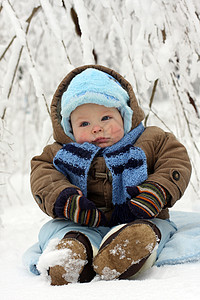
[[58, 132]]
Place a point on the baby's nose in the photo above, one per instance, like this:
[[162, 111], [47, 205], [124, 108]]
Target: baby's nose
[[96, 129]]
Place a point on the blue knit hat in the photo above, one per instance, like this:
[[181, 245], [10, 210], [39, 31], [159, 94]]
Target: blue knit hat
[[94, 86]]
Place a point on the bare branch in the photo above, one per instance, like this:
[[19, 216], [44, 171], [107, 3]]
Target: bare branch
[[185, 116], [75, 21], [151, 100], [45, 101], [7, 48], [192, 102], [34, 12]]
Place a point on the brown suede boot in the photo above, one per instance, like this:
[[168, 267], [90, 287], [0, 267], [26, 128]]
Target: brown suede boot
[[125, 250], [77, 266]]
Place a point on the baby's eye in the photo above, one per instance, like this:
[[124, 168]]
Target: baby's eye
[[84, 124], [105, 118]]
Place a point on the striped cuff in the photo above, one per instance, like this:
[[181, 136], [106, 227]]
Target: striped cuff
[[73, 211], [150, 200]]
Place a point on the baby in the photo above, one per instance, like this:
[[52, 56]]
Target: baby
[[107, 182]]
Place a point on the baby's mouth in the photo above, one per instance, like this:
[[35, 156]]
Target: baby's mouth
[[100, 140]]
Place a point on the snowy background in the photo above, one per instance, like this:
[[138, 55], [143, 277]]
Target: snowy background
[[156, 46]]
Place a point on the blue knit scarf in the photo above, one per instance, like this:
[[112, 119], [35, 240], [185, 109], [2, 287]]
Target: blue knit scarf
[[126, 163]]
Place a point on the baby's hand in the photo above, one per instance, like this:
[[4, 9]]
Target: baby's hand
[[72, 205], [83, 211], [147, 199]]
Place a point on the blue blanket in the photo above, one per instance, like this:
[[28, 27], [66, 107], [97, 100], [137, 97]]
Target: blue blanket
[[184, 245]]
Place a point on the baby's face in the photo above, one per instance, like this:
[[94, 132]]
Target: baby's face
[[97, 124]]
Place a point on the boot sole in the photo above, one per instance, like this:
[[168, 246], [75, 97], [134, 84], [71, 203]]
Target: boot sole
[[73, 266], [126, 251]]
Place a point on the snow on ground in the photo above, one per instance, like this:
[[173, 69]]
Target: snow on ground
[[21, 224]]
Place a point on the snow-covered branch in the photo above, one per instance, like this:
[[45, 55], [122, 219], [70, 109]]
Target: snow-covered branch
[[153, 43]]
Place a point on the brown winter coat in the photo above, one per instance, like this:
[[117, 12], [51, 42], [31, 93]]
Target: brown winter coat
[[167, 159]]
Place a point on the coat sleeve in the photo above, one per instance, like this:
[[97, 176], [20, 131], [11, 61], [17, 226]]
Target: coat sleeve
[[167, 160], [46, 182]]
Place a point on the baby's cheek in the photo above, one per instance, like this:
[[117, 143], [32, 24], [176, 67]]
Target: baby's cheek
[[118, 131], [83, 137]]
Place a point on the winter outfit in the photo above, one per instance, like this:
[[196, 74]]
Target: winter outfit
[[119, 224], [126, 163]]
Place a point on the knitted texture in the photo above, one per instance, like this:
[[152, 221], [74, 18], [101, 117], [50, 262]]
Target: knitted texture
[[61, 201], [83, 211], [94, 86], [147, 199], [121, 215], [126, 163]]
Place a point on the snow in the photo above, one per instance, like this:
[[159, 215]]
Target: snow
[[11, 69], [48, 10], [108, 273], [16, 24], [87, 45], [142, 53], [20, 226], [52, 257], [119, 250], [150, 247]]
